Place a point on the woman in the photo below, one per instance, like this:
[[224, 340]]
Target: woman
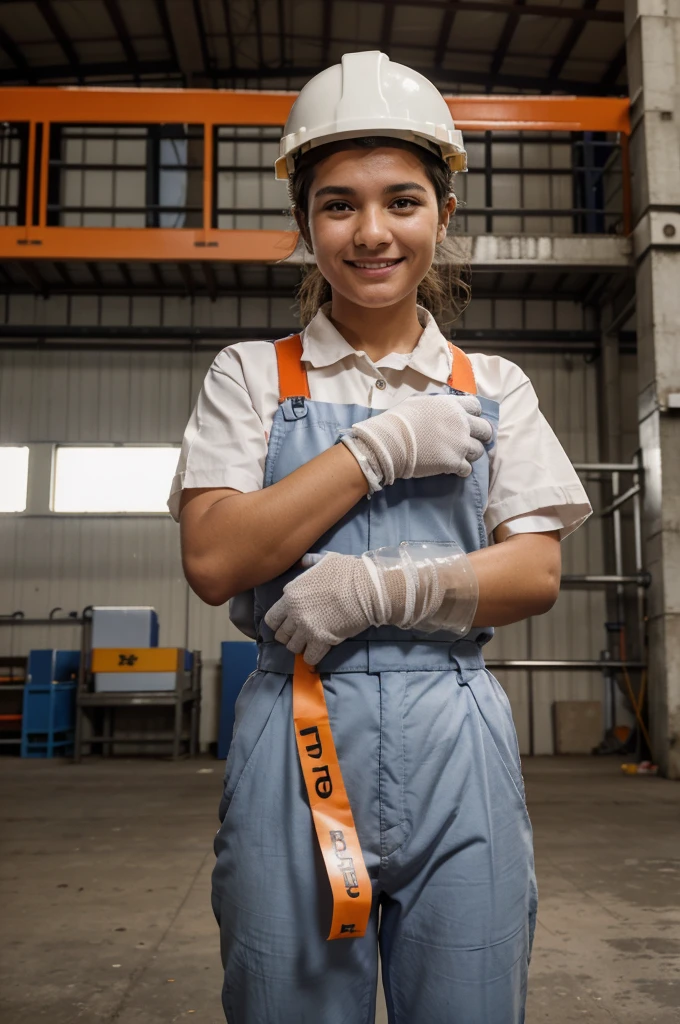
[[361, 435]]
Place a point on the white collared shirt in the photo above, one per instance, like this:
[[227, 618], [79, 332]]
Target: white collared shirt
[[532, 481]]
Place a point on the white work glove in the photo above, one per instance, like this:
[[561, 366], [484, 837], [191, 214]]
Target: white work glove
[[422, 436], [428, 586]]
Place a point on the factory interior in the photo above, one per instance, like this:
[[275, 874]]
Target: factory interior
[[142, 231]]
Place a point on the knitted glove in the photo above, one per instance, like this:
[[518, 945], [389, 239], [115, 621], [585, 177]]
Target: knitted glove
[[422, 436], [342, 595]]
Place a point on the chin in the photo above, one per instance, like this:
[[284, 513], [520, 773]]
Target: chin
[[375, 296]]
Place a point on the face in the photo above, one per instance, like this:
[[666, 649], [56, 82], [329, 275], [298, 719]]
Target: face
[[373, 223]]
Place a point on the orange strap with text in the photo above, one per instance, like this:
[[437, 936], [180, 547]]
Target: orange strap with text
[[328, 800], [331, 812]]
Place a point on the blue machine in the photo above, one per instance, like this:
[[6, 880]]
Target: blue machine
[[239, 659], [48, 720]]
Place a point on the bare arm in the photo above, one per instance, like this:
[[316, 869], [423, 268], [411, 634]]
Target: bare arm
[[233, 541], [518, 576]]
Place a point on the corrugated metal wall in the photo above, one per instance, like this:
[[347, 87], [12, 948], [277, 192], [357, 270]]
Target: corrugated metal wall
[[73, 561]]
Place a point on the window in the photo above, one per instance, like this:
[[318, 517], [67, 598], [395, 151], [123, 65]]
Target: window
[[13, 478], [108, 479]]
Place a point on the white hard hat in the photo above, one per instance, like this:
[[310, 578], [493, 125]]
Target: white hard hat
[[368, 94]]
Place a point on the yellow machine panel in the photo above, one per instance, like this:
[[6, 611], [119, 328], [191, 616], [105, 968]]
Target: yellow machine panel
[[137, 659]]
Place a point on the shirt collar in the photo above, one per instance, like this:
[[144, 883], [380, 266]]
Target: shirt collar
[[323, 345]]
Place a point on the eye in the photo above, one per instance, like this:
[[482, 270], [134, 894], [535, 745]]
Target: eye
[[337, 206], [404, 203]]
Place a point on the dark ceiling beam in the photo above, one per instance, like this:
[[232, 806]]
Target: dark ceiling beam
[[574, 33], [34, 277], [186, 22], [126, 275], [444, 76], [326, 29], [226, 10], [615, 68], [59, 32], [210, 280], [283, 57], [202, 38], [187, 279], [180, 290], [257, 16], [160, 333], [386, 27], [16, 56], [63, 273], [157, 276], [448, 18], [595, 289], [118, 22], [162, 14], [93, 270], [496, 7], [113, 69], [509, 29]]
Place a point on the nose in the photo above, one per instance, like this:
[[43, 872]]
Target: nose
[[372, 228]]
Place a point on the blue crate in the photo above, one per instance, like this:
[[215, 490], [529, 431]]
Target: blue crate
[[239, 659], [48, 721]]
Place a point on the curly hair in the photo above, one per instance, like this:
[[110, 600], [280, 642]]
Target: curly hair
[[445, 290]]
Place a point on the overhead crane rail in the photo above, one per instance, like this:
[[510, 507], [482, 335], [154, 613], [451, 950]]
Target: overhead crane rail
[[37, 116]]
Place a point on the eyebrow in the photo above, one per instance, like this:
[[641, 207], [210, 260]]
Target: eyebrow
[[344, 190], [406, 186]]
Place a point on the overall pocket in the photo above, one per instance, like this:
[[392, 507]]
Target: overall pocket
[[494, 708], [253, 710]]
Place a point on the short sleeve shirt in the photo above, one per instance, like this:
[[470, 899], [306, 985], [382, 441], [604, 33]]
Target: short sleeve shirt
[[532, 481]]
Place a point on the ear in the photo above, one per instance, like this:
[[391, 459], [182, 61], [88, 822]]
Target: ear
[[445, 217], [301, 222]]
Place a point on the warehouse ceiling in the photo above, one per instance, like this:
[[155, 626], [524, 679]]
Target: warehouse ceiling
[[467, 46], [562, 46]]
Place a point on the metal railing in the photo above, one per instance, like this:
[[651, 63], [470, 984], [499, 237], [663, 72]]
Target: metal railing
[[618, 580], [126, 174]]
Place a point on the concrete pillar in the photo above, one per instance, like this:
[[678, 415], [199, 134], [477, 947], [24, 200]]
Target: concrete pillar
[[653, 50]]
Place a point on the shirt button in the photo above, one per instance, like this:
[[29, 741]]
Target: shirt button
[[381, 385]]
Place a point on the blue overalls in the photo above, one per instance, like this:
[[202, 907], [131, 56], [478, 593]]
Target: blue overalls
[[430, 761]]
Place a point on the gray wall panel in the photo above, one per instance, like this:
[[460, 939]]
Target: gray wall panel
[[147, 397]]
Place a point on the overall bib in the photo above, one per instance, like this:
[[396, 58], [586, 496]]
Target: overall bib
[[429, 756]]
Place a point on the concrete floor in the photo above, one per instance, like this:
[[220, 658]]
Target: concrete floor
[[105, 872]]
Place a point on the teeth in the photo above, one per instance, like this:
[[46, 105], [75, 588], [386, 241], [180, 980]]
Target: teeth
[[370, 266]]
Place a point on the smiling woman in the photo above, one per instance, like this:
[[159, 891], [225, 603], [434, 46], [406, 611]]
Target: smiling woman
[[362, 479]]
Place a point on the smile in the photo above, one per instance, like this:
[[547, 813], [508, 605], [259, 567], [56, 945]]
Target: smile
[[374, 264]]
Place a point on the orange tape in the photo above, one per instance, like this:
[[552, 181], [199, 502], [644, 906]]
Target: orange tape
[[332, 814]]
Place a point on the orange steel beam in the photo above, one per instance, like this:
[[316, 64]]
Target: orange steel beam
[[148, 244], [227, 106], [210, 108]]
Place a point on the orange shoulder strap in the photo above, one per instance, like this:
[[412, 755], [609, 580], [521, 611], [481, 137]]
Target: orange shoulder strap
[[462, 375], [293, 381], [293, 376]]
